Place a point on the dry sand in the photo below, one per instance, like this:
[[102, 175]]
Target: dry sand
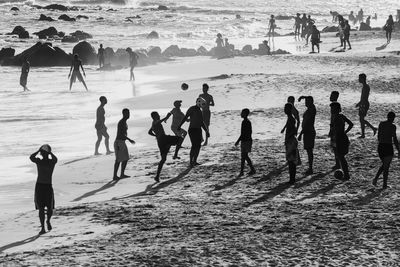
[[209, 216]]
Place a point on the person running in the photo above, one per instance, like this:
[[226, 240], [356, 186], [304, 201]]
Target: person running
[[75, 69], [101, 128], [44, 194], [164, 141], [315, 38], [291, 143], [177, 117], [246, 142], [120, 148], [272, 26], [133, 61], [100, 55], [206, 109], [23, 80], [386, 137], [342, 141], [195, 115], [290, 100], [389, 27], [363, 105], [297, 25], [308, 130], [333, 98], [346, 34]]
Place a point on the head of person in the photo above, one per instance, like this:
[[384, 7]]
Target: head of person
[[298, 14], [103, 100], [390, 17], [265, 42], [335, 108], [177, 103], [390, 116], [129, 50], [245, 113], [205, 88], [45, 150], [125, 113], [304, 15], [288, 109], [219, 35], [309, 16], [334, 96], [362, 78], [184, 86], [346, 21], [290, 100], [101, 45], [272, 16], [155, 116], [314, 27], [309, 101]]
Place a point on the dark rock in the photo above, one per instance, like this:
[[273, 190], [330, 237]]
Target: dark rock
[[46, 33], [109, 53], [23, 35], [364, 27], [56, 7], [172, 51], [153, 35], [45, 18], [238, 16], [82, 17], [247, 49], [330, 29], [282, 17], [202, 51], [154, 51], [168, 16], [86, 52], [263, 49], [162, 7], [7, 52], [81, 35], [280, 52], [14, 9], [66, 18], [70, 39], [101, 18], [17, 30]]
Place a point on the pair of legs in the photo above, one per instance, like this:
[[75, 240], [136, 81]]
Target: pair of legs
[[314, 44], [386, 161], [364, 122], [42, 218], [346, 39], [292, 172], [164, 145], [297, 30], [101, 62], [77, 74], [310, 155], [245, 157], [344, 166], [123, 167], [195, 139], [100, 134], [388, 36], [132, 77], [337, 162]]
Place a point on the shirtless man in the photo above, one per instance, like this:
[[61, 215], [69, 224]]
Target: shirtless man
[[133, 61], [101, 127], [295, 114], [363, 105], [206, 110], [75, 69], [24, 74], [333, 98], [297, 25], [177, 116], [100, 55]]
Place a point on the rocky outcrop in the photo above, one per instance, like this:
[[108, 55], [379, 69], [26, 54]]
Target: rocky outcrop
[[202, 51], [7, 52], [76, 37], [283, 17], [364, 27], [48, 33], [330, 29], [66, 18], [20, 31], [45, 18], [171, 51], [14, 8], [56, 7], [162, 7], [247, 49], [153, 35], [154, 51], [86, 52], [82, 17]]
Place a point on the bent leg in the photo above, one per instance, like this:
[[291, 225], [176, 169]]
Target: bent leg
[[96, 148]]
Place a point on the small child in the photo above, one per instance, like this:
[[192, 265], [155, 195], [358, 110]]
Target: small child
[[246, 142], [164, 141]]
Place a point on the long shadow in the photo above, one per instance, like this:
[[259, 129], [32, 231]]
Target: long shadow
[[313, 179], [321, 191], [229, 183], [367, 198], [153, 189], [271, 174], [19, 243], [91, 193], [277, 190]]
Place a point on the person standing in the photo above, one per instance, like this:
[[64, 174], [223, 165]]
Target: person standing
[[333, 98], [308, 130], [75, 69], [303, 25], [133, 61], [23, 80], [196, 123], [363, 105], [291, 143], [246, 142], [100, 55], [295, 113], [346, 34], [389, 27], [101, 128], [342, 141], [297, 25], [271, 26], [44, 194], [177, 116], [315, 38], [386, 137], [120, 148], [206, 109]]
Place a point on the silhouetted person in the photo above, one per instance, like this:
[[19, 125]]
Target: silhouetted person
[[271, 26], [246, 142], [340, 133], [100, 55], [295, 112], [346, 34], [133, 61], [341, 27], [368, 21], [297, 24], [303, 25], [333, 98], [76, 73], [310, 23], [386, 137], [315, 38], [352, 18], [219, 41], [195, 115], [101, 128], [266, 48], [206, 109], [292, 153], [164, 141], [23, 80], [120, 148], [308, 130], [44, 194], [177, 117], [389, 27], [363, 105], [360, 15]]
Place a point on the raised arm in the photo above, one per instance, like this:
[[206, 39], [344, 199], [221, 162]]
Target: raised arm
[[349, 122], [33, 157], [395, 141], [54, 159]]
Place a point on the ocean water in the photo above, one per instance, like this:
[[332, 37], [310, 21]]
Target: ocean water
[[52, 114]]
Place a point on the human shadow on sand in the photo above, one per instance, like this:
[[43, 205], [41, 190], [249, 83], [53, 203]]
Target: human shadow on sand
[[274, 173], [19, 243], [368, 198], [313, 179], [228, 184], [277, 190], [93, 192]]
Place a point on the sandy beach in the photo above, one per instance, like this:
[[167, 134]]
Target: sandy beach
[[208, 215]]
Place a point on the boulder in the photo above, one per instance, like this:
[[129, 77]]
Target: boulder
[[109, 53], [23, 35], [65, 17], [172, 51], [14, 8], [86, 52], [263, 50], [364, 27], [280, 52], [100, 18], [17, 30], [330, 29], [56, 7], [47, 33], [282, 17], [41, 54], [7, 52], [202, 51], [247, 49], [45, 18], [154, 51], [69, 39], [82, 17], [153, 35], [81, 35], [162, 7]]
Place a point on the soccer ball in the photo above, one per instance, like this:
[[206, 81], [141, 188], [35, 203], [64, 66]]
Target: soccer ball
[[201, 103], [184, 86], [338, 174]]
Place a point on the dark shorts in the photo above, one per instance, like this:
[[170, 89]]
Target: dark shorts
[[314, 41], [166, 141], [346, 37], [121, 151], [309, 140], [195, 135], [363, 109], [385, 150], [44, 196], [245, 146], [206, 117], [342, 144], [23, 80]]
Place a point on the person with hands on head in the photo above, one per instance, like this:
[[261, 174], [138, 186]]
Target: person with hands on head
[[75, 71], [120, 148], [44, 194], [291, 143], [246, 142]]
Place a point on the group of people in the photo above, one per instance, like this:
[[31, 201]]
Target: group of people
[[305, 28]]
